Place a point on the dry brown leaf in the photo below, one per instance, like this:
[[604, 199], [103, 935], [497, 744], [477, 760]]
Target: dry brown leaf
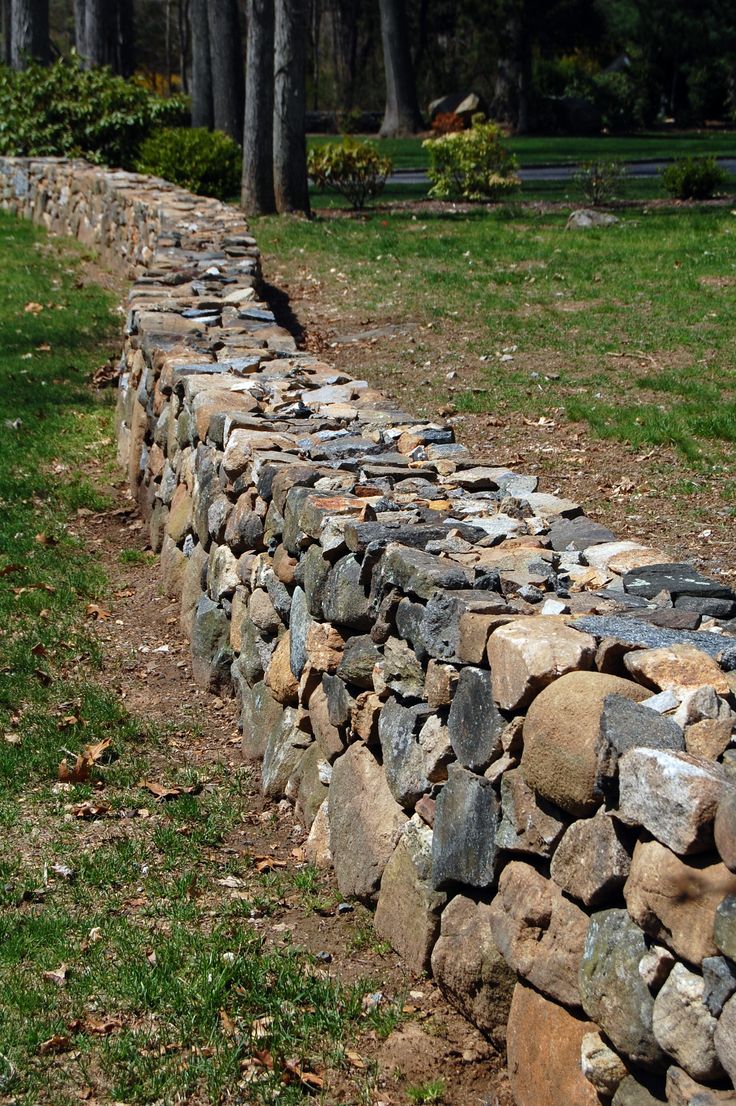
[[60, 1042], [172, 791], [12, 568], [268, 863], [94, 752], [91, 809], [78, 772], [260, 1027], [12, 738], [227, 1024], [308, 1079], [67, 721], [44, 348], [57, 976], [39, 650], [355, 1060], [46, 539], [32, 308], [96, 612]]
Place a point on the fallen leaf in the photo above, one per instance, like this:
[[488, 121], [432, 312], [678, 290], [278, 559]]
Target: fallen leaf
[[260, 1027], [231, 881], [91, 809], [163, 792], [307, 1079], [8, 570], [46, 539], [57, 976], [355, 1060], [67, 721], [227, 1024], [44, 348], [268, 863], [42, 676], [39, 650], [12, 738], [77, 772], [97, 613], [58, 1043], [94, 752], [32, 308]]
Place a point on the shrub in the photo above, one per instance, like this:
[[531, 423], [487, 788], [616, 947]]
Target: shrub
[[448, 122], [472, 164], [205, 162], [600, 181], [693, 178], [354, 169], [67, 111]]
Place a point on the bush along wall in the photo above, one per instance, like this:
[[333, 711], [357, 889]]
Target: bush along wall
[[508, 730]]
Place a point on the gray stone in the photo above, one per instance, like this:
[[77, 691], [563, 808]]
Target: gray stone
[[403, 759], [719, 977], [211, 652], [678, 579], [285, 748], [222, 573], [590, 863], [725, 1038], [299, 622], [613, 994], [418, 573], [631, 1092], [469, 969], [444, 619], [528, 824], [408, 911], [399, 670], [673, 795], [358, 661], [475, 724], [682, 1090], [315, 568], [260, 714], [725, 926], [585, 219], [464, 845], [683, 1025], [365, 822], [635, 633], [345, 601], [628, 725], [312, 772], [339, 701], [600, 1065], [578, 533], [708, 608]]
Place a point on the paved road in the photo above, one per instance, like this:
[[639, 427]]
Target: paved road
[[558, 172]]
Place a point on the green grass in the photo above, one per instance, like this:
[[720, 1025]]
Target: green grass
[[629, 328], [169, 992], [407, 153]]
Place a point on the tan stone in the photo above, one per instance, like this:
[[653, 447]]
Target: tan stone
[[676, 668], [284, 565], [469, 969], [543, 1045], [683, 1090], [179, 521], [317, 845], [440, 683], [562, 739], [364, 717], [173, 567], [325, 646], [474, 630], [708, 738], [326, 735], [408, 911], [279, 677], [539, 932], [238, 614], [365, 822], [528, 654], [601, 1066], [674, 901]]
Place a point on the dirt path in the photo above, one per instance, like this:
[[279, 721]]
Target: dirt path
[[146, 661]]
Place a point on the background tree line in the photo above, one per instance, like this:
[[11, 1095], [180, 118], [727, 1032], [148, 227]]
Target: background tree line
[[255, 68]]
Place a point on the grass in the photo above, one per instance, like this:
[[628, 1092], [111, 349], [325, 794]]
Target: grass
[[425, 1093], [531, 150], [627, 328], [127, 972]]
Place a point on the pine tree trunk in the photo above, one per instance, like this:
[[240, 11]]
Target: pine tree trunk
[[402, 114], [29, 32], [124, 62], [226, 64], [290, 94], [80, 23], [201, 70], [257, 194], [100, 33], [5, 12], [183, 29]]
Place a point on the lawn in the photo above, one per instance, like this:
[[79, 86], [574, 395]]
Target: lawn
[[629, 329], [531, 150], [128, 970]]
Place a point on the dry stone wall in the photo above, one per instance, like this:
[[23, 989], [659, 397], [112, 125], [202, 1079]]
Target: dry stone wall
[[510, 731]]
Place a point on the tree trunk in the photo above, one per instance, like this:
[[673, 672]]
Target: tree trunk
[[124, 61], [5, 13], [201, 70], [290, 95], [29, 32], [257, 195], [183, 29], [100, 33], [226, 64], [402, 110], [80, 23]]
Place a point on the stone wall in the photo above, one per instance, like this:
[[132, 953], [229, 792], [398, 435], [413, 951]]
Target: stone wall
[[508, 730]]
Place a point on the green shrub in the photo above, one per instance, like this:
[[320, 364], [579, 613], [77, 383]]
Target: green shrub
[[206, 162], [472, 164], [354, 169], [67, 111], [693, 178], [600, 181]]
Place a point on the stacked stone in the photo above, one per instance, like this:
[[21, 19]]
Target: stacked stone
[[511, 732]]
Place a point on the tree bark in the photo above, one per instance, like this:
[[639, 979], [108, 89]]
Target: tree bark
[[201, 69], [5, 12], [290, 94], [29, 32], [257, 193], [99, 32], [402, 114], [226, 65], [80, 24]]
